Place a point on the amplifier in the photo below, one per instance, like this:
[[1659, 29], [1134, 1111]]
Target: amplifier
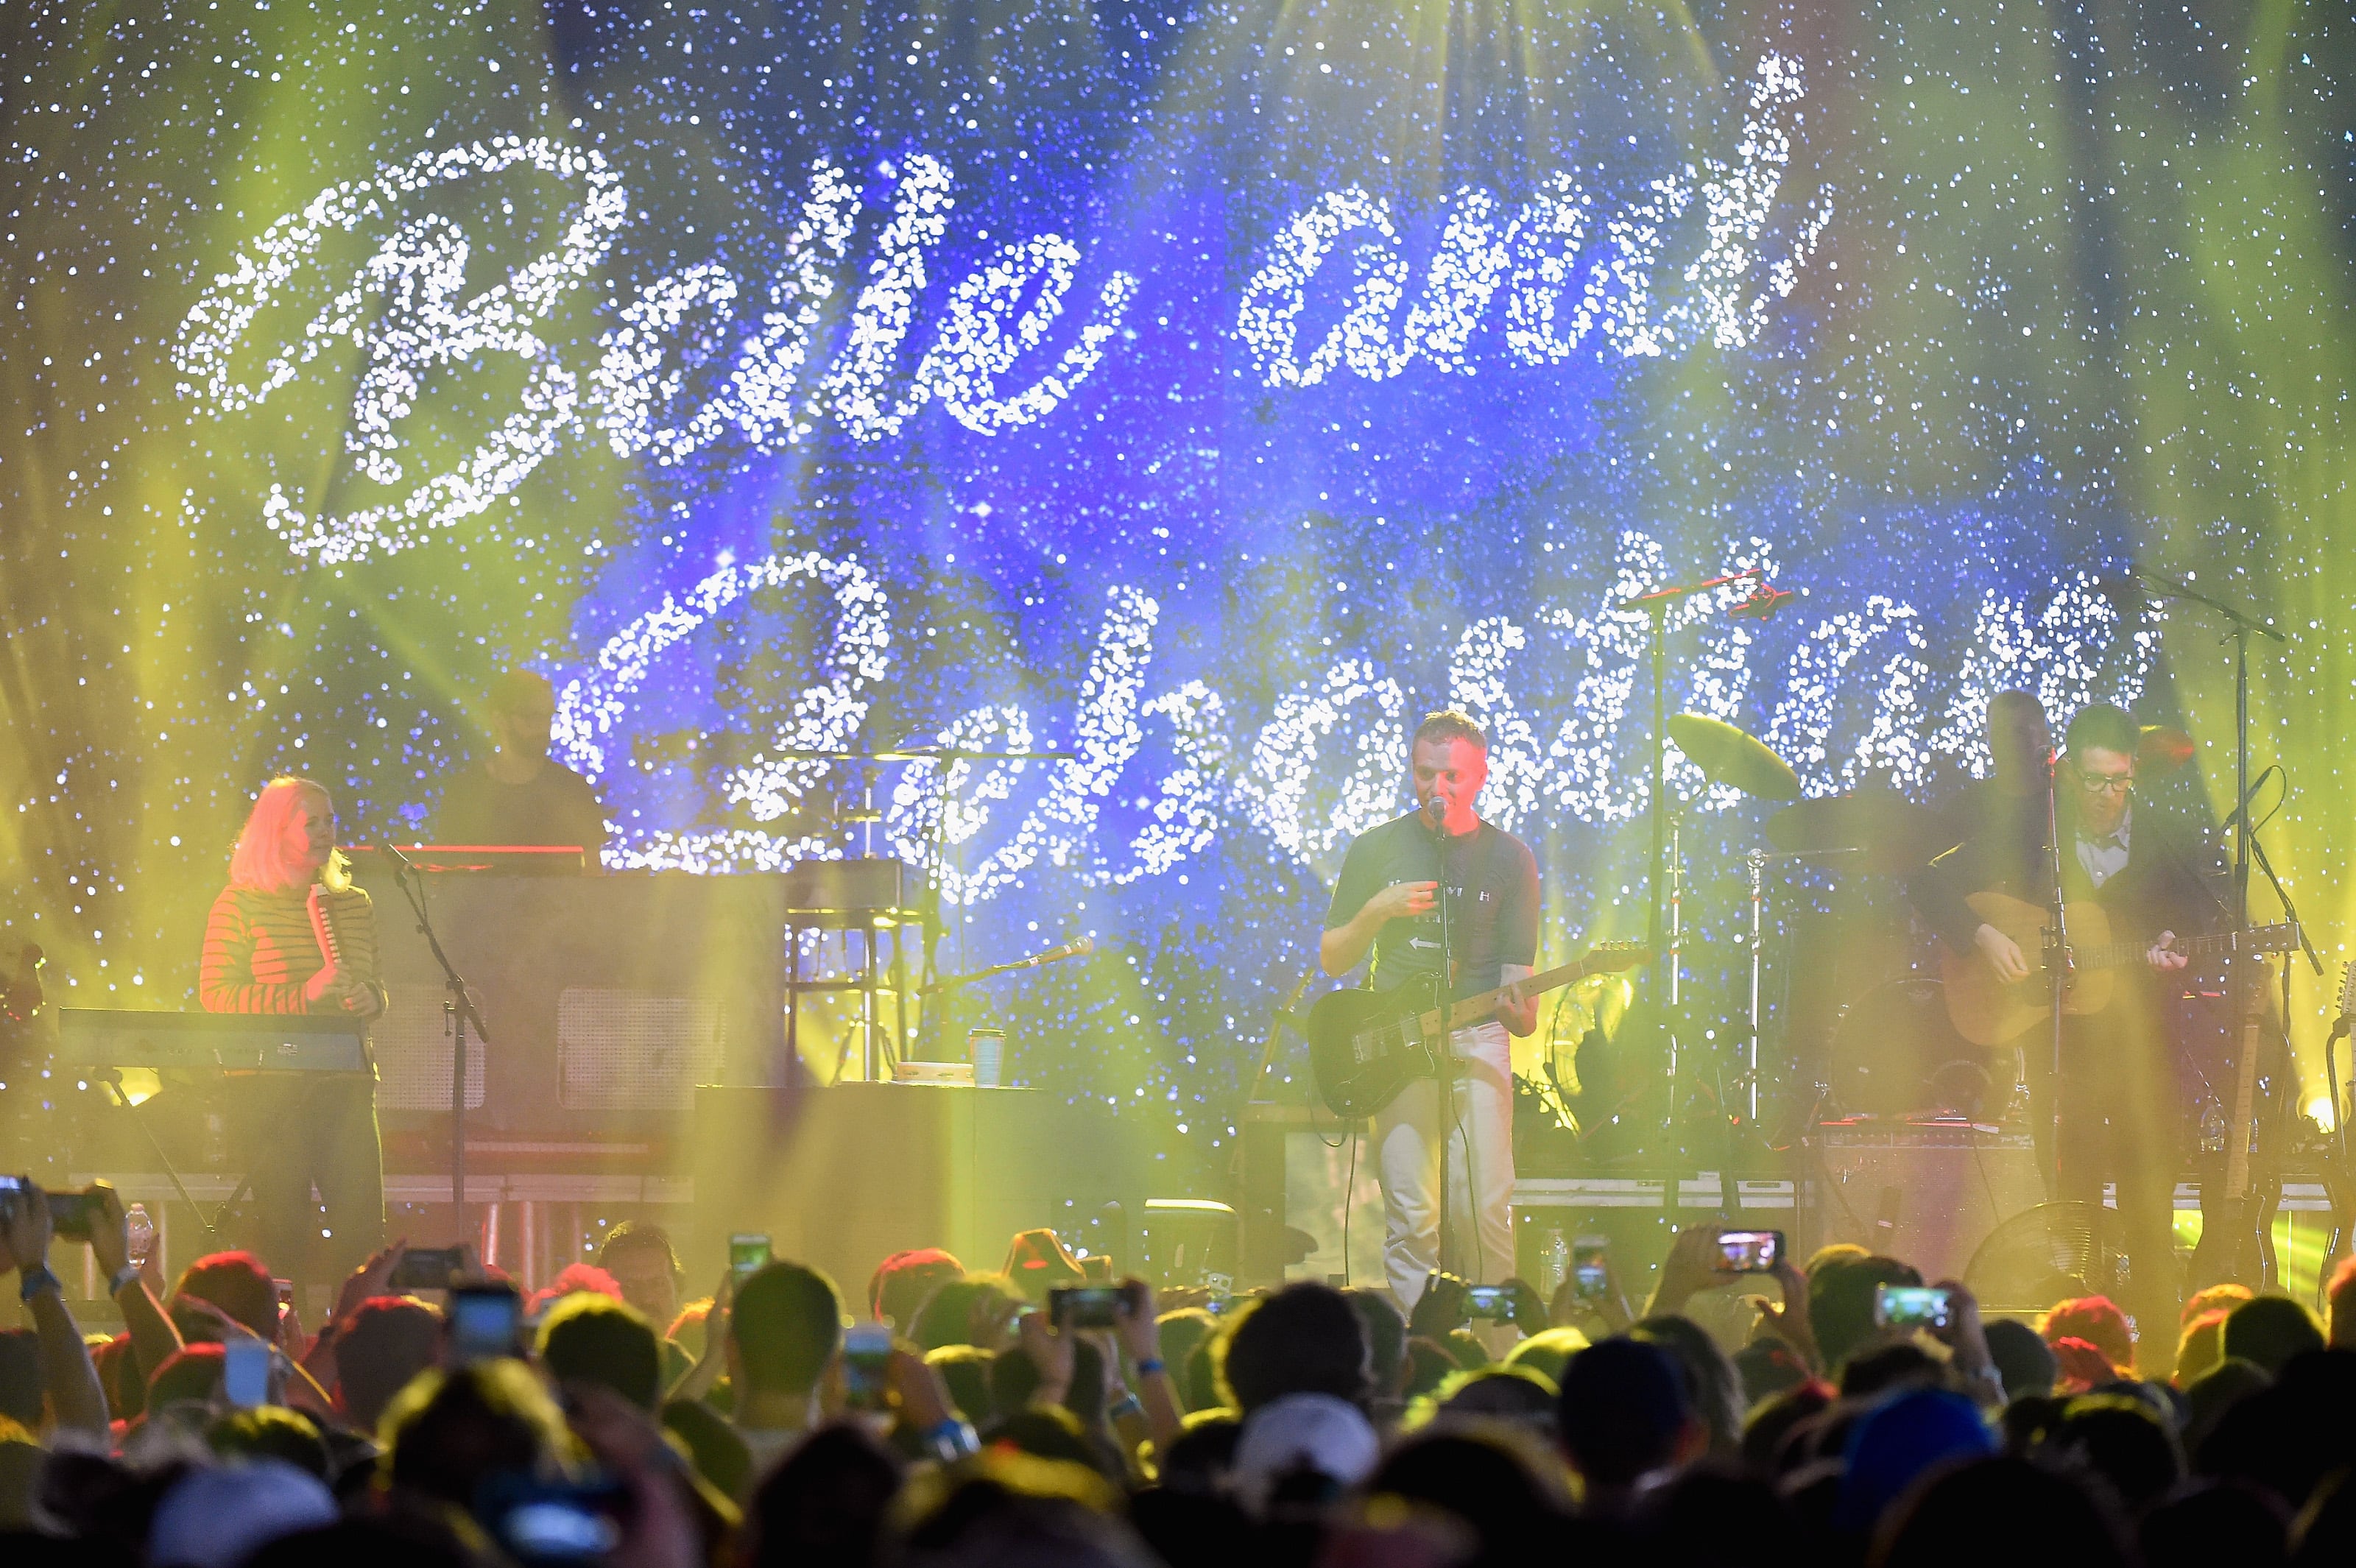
[[1928, 1192], [244, 1042]]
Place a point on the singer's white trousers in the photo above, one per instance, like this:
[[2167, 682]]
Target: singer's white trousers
[[1480, 1171]]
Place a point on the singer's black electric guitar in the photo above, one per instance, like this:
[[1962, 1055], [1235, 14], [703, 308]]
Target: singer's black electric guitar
[[1366, 1046]]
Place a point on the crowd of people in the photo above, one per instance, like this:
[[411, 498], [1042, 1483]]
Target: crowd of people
[[961, 1419]]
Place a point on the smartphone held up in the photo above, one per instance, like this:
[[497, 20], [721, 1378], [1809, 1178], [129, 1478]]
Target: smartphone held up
[[1084, 1306], [1910, 1306], [1750, 1251]]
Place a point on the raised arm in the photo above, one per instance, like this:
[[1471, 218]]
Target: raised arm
[[68, 1374], [1344, 947], [1140, 1336], [154, 1337]]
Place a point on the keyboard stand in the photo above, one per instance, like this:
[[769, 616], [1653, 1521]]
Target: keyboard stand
[[112, 1078]]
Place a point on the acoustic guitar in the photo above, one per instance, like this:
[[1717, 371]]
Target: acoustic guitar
[[1366, 1046], [1987, 1011]]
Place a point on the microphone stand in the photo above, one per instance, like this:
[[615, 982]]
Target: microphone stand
[[458, 1007], [1656, 606], [2055, 955], [1446, 1108], [2241, 625]]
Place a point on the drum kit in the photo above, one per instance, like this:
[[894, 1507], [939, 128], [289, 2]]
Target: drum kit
[[1878, 1040]]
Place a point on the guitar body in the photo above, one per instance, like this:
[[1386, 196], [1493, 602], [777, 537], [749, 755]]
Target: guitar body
[[1988, 1012], [2237, 1243], [2237, 1233], [1366, 1046]]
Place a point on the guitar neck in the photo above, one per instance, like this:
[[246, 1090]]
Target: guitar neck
[[2113, 955], [1474, 1009]]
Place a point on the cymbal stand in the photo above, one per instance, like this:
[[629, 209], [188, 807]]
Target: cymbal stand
[[1674, 870], [1656, 606], [1756, 862]]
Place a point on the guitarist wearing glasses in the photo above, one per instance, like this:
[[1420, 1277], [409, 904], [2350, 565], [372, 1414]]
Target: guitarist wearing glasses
[[1383, 903], [2130, 888]]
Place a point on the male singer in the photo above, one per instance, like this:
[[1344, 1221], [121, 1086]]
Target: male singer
[[2119, 1117], [1385, 902]]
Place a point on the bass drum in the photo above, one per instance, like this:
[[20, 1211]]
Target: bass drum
[[1895, 1054]]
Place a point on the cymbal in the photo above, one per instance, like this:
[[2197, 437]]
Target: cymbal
[[1892, 833], [2162, 750], [1730, 756]]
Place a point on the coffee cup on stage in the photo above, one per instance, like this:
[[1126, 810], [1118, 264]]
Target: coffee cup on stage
[[986, 1049]]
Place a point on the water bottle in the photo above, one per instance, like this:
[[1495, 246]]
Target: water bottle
[[1554, 1263], [138, 1235]]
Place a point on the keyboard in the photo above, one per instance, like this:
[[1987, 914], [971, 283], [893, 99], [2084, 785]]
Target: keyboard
[[241, 1042]]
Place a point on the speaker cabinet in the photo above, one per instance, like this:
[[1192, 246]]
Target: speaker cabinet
[[1925, 1193]]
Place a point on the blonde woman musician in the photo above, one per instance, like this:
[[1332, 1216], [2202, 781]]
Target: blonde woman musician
[[291, 934]]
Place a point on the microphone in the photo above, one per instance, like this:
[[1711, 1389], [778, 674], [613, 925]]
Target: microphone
[[1435, 813], [2240, 812], [1764, 600]]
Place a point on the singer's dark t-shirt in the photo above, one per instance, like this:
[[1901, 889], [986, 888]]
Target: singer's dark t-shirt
[[1492, 887], [558, 806]]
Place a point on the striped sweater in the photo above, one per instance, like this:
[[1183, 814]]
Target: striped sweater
[[259, 949]]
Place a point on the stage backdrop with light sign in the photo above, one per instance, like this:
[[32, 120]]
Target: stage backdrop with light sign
[[1201, 392]]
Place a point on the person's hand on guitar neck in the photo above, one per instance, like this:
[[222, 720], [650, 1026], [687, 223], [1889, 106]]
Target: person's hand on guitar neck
[[1518, 1013], [1340, 948], [2162, 954]]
